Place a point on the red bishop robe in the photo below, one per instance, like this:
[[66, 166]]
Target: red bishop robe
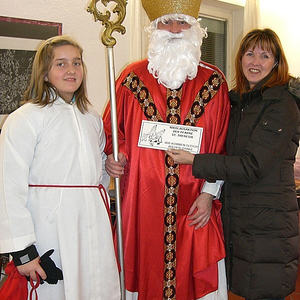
[[189, 270]]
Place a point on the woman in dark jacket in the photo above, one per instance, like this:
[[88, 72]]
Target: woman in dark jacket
[[260, 211]]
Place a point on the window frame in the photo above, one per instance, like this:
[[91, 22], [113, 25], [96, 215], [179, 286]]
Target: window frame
[[233, 15], [226, 42]]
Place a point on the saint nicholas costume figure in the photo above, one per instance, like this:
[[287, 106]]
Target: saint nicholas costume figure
[[172, 229]]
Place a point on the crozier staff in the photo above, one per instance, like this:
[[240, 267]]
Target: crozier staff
[[173, 239]]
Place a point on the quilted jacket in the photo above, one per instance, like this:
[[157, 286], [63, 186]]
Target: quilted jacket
[[260, 209]]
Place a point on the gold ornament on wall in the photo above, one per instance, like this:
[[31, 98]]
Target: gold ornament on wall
[[120, 9]]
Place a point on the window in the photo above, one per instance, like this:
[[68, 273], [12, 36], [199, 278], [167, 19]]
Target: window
[[227, 18], [214, 49]]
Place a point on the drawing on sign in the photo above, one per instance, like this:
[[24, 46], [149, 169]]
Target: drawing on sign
[[154, 137]]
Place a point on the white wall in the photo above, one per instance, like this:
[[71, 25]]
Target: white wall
[[284, 18], [80, 24]]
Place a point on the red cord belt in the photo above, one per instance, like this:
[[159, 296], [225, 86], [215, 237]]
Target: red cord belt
[[100, 188]]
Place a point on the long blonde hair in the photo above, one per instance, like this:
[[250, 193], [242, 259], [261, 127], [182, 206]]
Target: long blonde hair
[[268, 40], [40, 91]]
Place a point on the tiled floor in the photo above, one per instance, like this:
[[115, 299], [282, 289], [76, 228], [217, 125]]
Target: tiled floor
[[294, 296]]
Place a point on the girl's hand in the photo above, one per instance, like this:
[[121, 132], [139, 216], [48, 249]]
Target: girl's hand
[[30, 268], [115, 168], [181, 156]]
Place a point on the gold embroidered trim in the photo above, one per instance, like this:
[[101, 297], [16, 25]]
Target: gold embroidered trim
[[141, 93], [206, 93], [170, 203]]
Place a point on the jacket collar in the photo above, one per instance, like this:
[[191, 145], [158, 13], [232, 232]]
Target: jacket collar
[[249, 96]]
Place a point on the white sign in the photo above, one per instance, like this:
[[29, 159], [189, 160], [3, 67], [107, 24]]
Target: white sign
[[164, 136]]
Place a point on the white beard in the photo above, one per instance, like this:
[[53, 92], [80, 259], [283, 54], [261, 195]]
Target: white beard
[[174, 57]]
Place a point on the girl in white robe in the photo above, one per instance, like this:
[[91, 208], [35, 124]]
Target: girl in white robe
[[51, 163]]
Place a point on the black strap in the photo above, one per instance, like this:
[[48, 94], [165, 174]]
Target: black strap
[[24, 256]]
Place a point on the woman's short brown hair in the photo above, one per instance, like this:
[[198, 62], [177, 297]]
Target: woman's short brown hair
[[40, 91], [268, 40]]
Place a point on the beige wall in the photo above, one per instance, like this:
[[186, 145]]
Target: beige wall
[[236, 2], [284, 18]]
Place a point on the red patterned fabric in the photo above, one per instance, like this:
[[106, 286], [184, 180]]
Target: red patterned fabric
[[143, 190]]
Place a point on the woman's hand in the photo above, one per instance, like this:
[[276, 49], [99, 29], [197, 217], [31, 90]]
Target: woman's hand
[[200, 211], [30, 268], [181, 156]]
